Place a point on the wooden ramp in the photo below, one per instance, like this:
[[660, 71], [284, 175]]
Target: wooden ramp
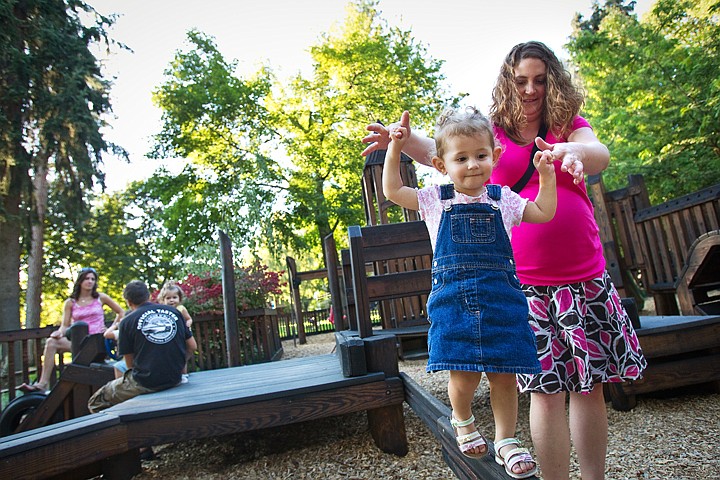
[[217, 402]]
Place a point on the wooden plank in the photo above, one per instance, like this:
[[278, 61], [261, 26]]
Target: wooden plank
[[393, 285], [205, 392], [675, 374], [164, 427], [708, 194], [63, 447], [436, 416], [42, 436], [680, 337], [653, 324]]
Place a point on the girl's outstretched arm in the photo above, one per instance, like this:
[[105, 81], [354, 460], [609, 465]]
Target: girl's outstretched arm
[[393, 186], [543, 208]]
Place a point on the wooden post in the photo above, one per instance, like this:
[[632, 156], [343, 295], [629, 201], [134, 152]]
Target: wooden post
[[387, 424], [607, 233], [331, 263], [297, 304], [229, 302], [362, 307]]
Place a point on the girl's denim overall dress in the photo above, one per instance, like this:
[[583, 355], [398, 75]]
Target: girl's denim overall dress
[[478, 312]]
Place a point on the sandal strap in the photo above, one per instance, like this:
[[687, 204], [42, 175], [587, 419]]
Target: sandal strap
[[517, 455], [469, 445], [462, 423], [506, 441], [469, 437]]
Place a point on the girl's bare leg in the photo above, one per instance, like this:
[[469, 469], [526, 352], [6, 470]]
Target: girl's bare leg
[[461, 390], [504, 402], [589, 431]]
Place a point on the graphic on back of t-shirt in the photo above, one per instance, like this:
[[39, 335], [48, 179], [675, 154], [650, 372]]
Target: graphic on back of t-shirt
[[158, 325]]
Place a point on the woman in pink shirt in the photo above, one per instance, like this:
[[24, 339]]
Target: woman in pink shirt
[[84, 305], [583, 334]]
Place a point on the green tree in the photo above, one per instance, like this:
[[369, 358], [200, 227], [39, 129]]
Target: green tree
[[114, 239], [53, 97], [281, 166], [654, 92], [217, 122], [364, 72]]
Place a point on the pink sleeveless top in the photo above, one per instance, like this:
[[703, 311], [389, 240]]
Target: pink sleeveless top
[[92, 314]]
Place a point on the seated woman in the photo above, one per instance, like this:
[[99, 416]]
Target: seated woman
[[84, 305]]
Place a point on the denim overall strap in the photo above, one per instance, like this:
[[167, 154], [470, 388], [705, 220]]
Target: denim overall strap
[[447, 191], [494, 191]]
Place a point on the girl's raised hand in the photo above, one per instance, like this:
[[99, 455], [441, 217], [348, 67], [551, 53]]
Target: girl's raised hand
[[569, 153], [379, 139], [543, 162]]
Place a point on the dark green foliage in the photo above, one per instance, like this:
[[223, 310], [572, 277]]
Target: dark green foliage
[[654, 92]]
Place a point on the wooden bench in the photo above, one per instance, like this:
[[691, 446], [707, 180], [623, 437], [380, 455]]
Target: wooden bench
[[698, 285], [399, 256], [670, 252], [652, 243], [680, 351], [219, 402]]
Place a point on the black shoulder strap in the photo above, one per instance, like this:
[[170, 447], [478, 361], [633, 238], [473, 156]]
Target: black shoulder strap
[[529, 171]]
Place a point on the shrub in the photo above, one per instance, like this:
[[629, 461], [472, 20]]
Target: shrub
[[253, 286]]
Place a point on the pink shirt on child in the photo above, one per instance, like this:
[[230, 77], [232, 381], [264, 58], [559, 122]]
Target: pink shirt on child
[[565, 250]]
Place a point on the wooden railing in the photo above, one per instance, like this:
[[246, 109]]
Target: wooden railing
[[258, 340], [21, 356], [646, 246]]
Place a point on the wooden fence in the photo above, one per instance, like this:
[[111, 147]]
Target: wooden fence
[[315, 322]]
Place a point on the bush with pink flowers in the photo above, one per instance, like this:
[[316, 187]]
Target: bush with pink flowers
[[253, 286]]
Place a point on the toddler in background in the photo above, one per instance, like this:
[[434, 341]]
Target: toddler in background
[[171, 294]]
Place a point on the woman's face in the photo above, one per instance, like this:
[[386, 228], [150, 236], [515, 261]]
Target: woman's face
[[89, 281], [531, 80]]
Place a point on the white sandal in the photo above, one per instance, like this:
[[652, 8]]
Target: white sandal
[[513, 457], [469, 441]]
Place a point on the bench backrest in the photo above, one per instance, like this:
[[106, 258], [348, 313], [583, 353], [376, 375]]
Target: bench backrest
[[399, 256], [652, 240]]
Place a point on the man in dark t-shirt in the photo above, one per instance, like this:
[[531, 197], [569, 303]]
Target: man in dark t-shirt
[[153, 340]]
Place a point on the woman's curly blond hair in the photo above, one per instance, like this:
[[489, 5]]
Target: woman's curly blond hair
[[563, 99]]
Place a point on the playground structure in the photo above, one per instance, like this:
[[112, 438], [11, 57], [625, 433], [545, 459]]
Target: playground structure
[[364, 374]]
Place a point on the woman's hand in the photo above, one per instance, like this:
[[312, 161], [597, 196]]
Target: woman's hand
[[59, 333], [379, 139], [570, 154]]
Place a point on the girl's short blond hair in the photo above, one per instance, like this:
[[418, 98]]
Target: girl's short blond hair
[[170, 287], [466, 123]]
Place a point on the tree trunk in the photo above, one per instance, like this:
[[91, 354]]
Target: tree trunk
[[10, 258], [33, 296]]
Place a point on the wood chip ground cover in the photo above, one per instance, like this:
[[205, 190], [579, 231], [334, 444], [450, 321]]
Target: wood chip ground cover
[[668, 437]]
